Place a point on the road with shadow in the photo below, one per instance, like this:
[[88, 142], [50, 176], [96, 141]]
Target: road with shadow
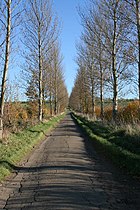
[[65, 172]]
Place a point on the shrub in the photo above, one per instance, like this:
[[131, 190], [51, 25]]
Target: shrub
[[130, 113], [15, 114]]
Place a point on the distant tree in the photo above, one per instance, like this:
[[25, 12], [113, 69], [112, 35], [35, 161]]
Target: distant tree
[[57, 85], [32, 93], [74, 99], [80, 98], [86, 63]]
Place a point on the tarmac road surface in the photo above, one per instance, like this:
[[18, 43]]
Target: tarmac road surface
[[65, 172]]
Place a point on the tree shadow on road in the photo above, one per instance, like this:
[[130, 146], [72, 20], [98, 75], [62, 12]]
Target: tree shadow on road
[[75, 179]]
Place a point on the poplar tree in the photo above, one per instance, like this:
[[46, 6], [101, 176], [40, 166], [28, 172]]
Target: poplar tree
[[9, 14], [40, 33]]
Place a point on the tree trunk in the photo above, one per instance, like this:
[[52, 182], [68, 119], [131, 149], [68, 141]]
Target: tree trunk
[[50, 100], [51, 113], [93, 100], [55, 105], [114, 67], [86, 103], [55, 97], [6, 64], [138, 29], [92, 91], [101, 93], [80, 101], [40, 78]]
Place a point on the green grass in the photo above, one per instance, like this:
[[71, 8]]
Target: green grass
[[20, 144], [127, 137], [117, 146]]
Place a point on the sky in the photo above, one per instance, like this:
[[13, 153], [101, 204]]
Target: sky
[[71, 29], [70, 34]]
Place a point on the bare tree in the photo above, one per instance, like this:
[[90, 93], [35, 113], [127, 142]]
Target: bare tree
[[138, 35], [39, 36], [115, 32], [134, 20], [95, 55], [8, 21], [57, 78], [109, 54]]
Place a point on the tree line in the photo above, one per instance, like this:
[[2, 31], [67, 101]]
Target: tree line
[[108, 54], [35, 27]]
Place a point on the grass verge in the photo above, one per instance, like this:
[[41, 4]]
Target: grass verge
[[20, 144], [127, 137], [123, 158]]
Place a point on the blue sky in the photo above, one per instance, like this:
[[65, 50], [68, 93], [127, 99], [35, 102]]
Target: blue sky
[[71, 30]]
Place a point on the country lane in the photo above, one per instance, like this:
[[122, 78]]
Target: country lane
[[65, 172]]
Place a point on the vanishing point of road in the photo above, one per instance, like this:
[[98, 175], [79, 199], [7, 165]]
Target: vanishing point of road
[[65, 172]]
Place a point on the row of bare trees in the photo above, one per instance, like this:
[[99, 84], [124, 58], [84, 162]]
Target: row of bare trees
[[34, 24], [108, 53]]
